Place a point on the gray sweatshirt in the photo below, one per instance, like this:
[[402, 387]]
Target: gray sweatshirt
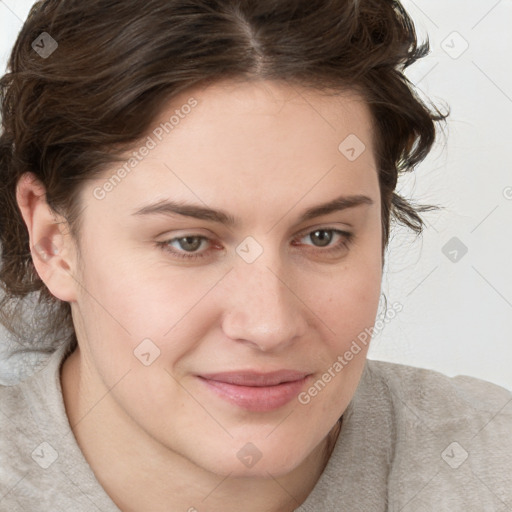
[[412, 440]]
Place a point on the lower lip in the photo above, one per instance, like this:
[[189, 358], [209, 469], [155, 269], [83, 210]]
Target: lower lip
[[257, 399]]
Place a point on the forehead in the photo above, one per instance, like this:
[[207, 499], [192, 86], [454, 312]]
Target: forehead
[[233, 142], [264, 107]]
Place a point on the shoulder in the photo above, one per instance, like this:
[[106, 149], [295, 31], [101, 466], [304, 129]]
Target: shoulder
[[431, 389], [19, 439], [15, 418], [25, 417], [452, 437], [42, 466], [472, 407]]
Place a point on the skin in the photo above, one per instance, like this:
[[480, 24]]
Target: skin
[[155, 436]]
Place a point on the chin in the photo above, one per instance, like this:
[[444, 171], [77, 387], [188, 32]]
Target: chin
[[253, 460], [262, 469]]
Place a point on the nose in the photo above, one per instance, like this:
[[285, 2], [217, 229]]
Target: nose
[[263, 310]]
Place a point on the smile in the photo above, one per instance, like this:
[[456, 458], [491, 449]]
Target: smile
[[256, 392]]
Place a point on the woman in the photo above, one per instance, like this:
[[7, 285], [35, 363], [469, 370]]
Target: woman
[[201, 192]]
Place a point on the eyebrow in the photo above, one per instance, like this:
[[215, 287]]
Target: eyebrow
[[171, 208]]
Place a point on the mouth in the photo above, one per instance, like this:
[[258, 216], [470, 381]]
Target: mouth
[[254, 391]]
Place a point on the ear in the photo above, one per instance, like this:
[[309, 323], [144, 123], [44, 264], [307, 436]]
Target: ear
[[51, 244]]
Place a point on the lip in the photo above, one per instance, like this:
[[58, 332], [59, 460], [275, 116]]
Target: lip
[[256, 391]]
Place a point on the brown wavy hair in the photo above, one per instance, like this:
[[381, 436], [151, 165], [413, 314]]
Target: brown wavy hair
[[68, 116]]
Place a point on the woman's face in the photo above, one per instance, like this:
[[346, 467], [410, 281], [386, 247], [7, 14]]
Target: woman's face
[[221, 264]]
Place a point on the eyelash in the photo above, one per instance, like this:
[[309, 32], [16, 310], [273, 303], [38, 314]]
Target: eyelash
[[345, 242]]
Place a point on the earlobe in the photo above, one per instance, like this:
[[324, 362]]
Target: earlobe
[[51, 248]]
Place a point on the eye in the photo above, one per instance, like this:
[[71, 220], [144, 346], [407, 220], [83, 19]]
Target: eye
[[193, 247], [324, 238], [321, 237], [186, 247]]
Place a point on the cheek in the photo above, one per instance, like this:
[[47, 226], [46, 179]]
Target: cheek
[[348, 302], [347, 313], [128, 302], [144, 296]]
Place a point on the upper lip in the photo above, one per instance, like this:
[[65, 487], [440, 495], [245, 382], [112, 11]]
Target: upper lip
[[254, 378]]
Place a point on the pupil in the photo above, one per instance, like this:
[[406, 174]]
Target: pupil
[[190, 243], [322, 236]]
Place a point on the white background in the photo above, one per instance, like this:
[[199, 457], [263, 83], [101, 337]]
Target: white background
[[457, 315]]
